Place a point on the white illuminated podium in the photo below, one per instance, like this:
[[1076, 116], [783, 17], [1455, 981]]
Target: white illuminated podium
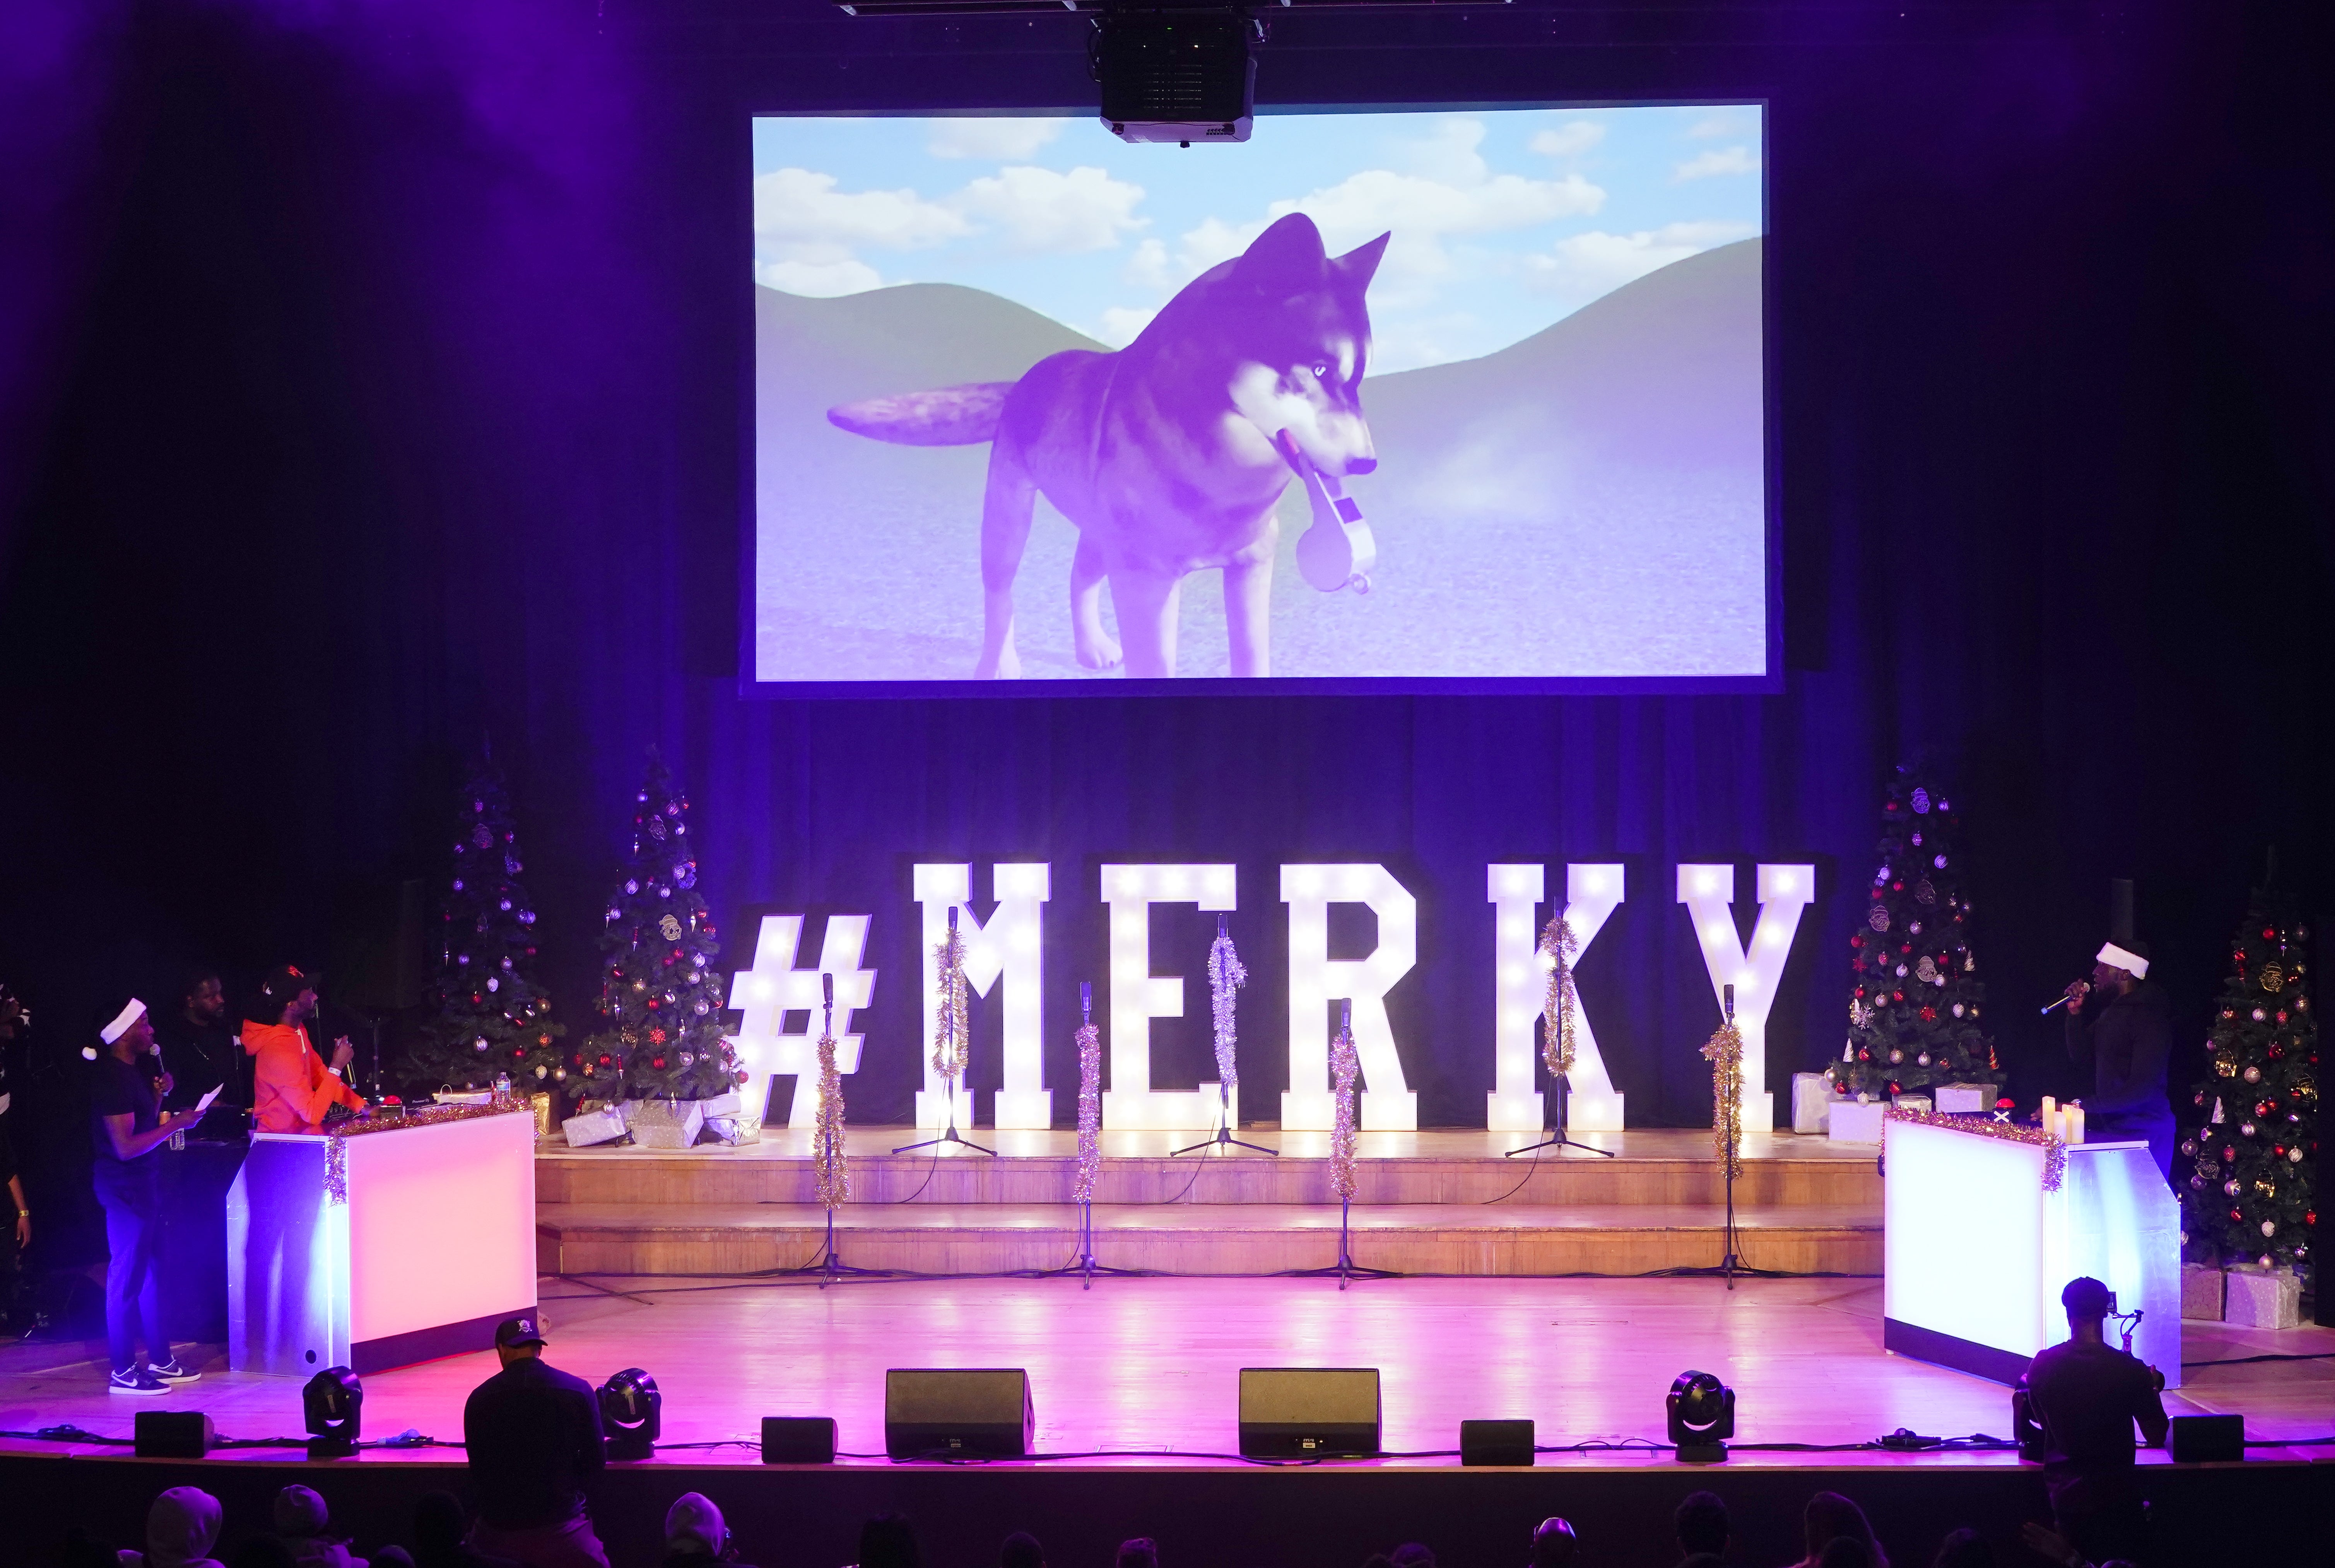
[[1987, 1223], [382, 1242]]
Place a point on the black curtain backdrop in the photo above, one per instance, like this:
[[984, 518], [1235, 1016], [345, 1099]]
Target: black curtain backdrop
[[382, 401]]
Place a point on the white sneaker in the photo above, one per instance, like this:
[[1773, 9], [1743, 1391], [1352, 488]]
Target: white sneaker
[[136, 1381]]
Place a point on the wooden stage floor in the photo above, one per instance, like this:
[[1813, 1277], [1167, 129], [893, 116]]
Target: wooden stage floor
[[1442, 1201], [1144, 1370]]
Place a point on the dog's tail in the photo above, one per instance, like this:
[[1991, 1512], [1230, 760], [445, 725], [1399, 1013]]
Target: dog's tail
[[955, 416]]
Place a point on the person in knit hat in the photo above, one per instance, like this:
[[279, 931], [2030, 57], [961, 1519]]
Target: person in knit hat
[[181, 1527]]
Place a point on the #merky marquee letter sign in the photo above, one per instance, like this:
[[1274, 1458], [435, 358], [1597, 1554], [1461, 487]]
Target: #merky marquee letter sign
[[1007, 951]]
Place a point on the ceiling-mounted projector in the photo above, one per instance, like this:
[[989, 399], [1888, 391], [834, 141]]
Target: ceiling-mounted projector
[[1180, 76]]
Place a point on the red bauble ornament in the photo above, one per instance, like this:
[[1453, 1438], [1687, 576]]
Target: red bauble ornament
[[657, 1062], [2269, 935], [1856, 942], [1929, 1014], [1893, 1089], [1897, 996]]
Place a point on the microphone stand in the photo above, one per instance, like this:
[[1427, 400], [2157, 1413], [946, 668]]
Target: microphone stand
[[1223, 1138], [949, 1036]]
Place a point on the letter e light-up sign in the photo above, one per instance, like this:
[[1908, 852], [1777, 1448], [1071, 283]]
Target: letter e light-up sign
[[1138, 996]]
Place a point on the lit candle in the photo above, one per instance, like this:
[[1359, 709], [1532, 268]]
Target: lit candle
[[2050, 1117], [2074, 1116]]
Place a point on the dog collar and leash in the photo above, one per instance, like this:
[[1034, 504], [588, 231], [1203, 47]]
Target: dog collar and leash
[[1338, 551]]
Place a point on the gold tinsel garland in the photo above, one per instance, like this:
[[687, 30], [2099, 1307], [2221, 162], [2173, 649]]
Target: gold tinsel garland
[[1725, 1051], [951, 1018], [827, 1136], [1090, 1042], [1345, 1067], [2054, 1152], [1560, 1008]]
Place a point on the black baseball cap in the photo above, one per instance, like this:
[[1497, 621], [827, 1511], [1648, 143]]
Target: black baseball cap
[[284, 985], [510, 1332]]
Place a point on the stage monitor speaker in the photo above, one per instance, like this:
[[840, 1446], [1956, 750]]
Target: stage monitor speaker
[[985, 1414], [1308, 1412], [171, 1435], [1496, 1442], [797, 1439], [2208, 1439]]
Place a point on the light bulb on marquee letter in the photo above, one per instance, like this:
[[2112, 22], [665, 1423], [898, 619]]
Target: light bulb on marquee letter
[[774, 987], [1520, 991], [1316, 980], [1138, 996], [1012, 945], [1785, 893]]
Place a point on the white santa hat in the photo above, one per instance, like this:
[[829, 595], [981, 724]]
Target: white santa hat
[[2116, 957]]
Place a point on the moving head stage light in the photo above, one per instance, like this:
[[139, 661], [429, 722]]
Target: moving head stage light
[[1702, 1417], [334, 1403], [633, 1412]]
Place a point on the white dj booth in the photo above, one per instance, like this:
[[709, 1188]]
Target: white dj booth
[[1987, 1222], [384, 1241]]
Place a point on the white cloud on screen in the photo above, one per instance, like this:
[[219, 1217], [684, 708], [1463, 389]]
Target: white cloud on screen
[[1584, 265], [818, 278], [798, 206], [1448, 192], [1006, 140], [1570, 140], [1044, 210], [1122, 326], [1717, 161]]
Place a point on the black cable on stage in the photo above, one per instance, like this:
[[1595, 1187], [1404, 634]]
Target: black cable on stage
[[1513, 1191], [2249, 1361]]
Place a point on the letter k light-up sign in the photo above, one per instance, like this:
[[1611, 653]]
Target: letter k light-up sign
[[1785, 893]]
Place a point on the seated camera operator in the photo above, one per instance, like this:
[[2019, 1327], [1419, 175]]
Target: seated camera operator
[[2088, 1395]]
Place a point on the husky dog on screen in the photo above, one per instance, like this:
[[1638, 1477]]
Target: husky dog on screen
[[1170, 454]]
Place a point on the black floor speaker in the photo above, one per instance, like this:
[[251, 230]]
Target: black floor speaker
[[2208, 1439], [949, 1414], [1308, 1412], [797, 1439], [171, 1435], [1496, 1442]]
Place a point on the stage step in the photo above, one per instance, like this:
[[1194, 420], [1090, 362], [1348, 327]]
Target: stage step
[[1187, 1238], [1655, 1167]]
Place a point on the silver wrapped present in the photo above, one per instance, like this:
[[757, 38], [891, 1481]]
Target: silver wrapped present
[[667, 1123], [603, 1125]]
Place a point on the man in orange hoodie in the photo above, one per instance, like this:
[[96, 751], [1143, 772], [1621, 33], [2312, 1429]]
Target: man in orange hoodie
[[291, 1090]]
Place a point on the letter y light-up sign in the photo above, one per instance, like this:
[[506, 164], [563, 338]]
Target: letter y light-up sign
[[1008, 945], [1785, 893], [1520, 993], [774, 987], [1138, 996], [1316, 980]]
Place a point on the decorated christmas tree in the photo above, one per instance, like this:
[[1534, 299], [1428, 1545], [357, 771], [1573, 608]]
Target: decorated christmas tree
[[492, 1017], [2250, 1197], [661, 1032], [1915, 994]]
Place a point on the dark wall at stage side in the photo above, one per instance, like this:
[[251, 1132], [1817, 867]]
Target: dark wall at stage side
[[382, 401]]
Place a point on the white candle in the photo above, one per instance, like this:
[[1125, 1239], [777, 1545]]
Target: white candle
[[2051, 1116], [2073, 1116]]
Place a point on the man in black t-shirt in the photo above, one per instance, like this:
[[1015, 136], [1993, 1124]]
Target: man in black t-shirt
[[2087, 1395], [200, 1049], [536, 1446], [127, 1125]]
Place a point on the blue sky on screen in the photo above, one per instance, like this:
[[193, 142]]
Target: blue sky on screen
[[1504, 220]]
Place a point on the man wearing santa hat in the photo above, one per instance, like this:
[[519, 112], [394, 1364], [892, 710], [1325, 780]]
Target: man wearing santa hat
[[2125, 1039]]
